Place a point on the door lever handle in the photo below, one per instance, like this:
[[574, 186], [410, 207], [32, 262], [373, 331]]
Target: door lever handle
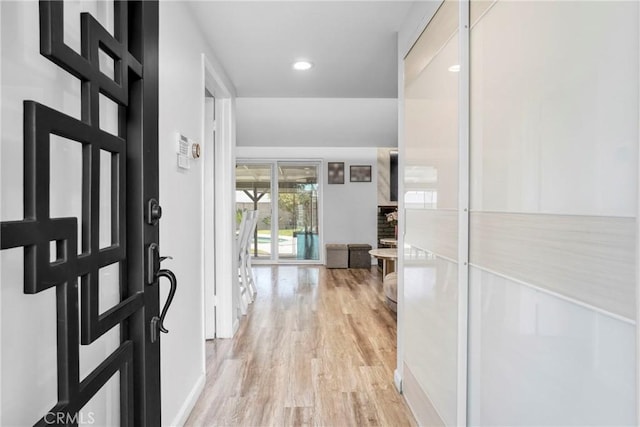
[[157, 322], [174, 284]]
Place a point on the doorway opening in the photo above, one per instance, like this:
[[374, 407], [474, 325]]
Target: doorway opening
[[219, 266], [286, 196], [209, 213]]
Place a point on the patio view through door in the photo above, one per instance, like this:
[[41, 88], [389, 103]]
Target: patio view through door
[[253, 192], [293, 219]]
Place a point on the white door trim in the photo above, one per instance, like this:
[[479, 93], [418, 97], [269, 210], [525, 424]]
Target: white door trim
[[221, 239]]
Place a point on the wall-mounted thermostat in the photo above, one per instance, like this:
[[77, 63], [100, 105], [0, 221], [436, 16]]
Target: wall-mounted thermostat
[[183, 152], [187, 149]]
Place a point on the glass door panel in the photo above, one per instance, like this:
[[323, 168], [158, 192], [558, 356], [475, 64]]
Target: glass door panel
[[254, 192], [298, 211]]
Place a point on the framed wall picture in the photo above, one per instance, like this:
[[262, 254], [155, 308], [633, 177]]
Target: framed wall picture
[[393, 176], [335, 172], [360, 173]]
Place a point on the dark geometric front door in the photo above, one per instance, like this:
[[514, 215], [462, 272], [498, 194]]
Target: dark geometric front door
[[73, 271]]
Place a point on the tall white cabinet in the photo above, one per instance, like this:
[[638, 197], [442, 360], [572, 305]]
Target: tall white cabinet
[[539, 328]]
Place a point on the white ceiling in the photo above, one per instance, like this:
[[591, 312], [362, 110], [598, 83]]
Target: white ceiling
[[353, 46], [351, 43]]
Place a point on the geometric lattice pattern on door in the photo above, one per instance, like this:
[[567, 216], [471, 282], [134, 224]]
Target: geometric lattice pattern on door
[[36, 232]]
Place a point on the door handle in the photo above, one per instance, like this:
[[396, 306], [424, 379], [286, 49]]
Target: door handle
[[172, 291], [157, 323]]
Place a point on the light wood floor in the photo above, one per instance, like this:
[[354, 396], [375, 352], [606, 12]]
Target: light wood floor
[[318, 347]]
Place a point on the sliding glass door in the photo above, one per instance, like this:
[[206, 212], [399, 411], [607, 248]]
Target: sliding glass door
[[298, 211], [253, 192], [287, 231]]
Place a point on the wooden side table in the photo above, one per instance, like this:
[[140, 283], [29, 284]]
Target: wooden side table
[[388, 256]]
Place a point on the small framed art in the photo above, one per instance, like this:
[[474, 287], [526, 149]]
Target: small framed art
[[335, 172], [360, 173]]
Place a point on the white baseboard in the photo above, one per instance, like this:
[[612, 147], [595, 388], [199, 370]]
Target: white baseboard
[[397, 380], [190, 402], [419, 401]]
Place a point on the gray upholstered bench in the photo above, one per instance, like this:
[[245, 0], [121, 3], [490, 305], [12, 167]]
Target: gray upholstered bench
[[359, 255], [337, 255]]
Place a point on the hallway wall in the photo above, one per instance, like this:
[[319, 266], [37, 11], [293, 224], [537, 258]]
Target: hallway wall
[[302, 122], [181, 227]]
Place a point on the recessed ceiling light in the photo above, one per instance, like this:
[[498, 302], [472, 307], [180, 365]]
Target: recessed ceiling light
[[454, 68], [302, 65]]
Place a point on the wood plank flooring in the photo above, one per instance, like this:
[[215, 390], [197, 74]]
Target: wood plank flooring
[[318, 347]]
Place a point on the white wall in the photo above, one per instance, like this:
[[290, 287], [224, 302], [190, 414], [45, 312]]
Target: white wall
[[304, 122], [181, 229], [349, 210]]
